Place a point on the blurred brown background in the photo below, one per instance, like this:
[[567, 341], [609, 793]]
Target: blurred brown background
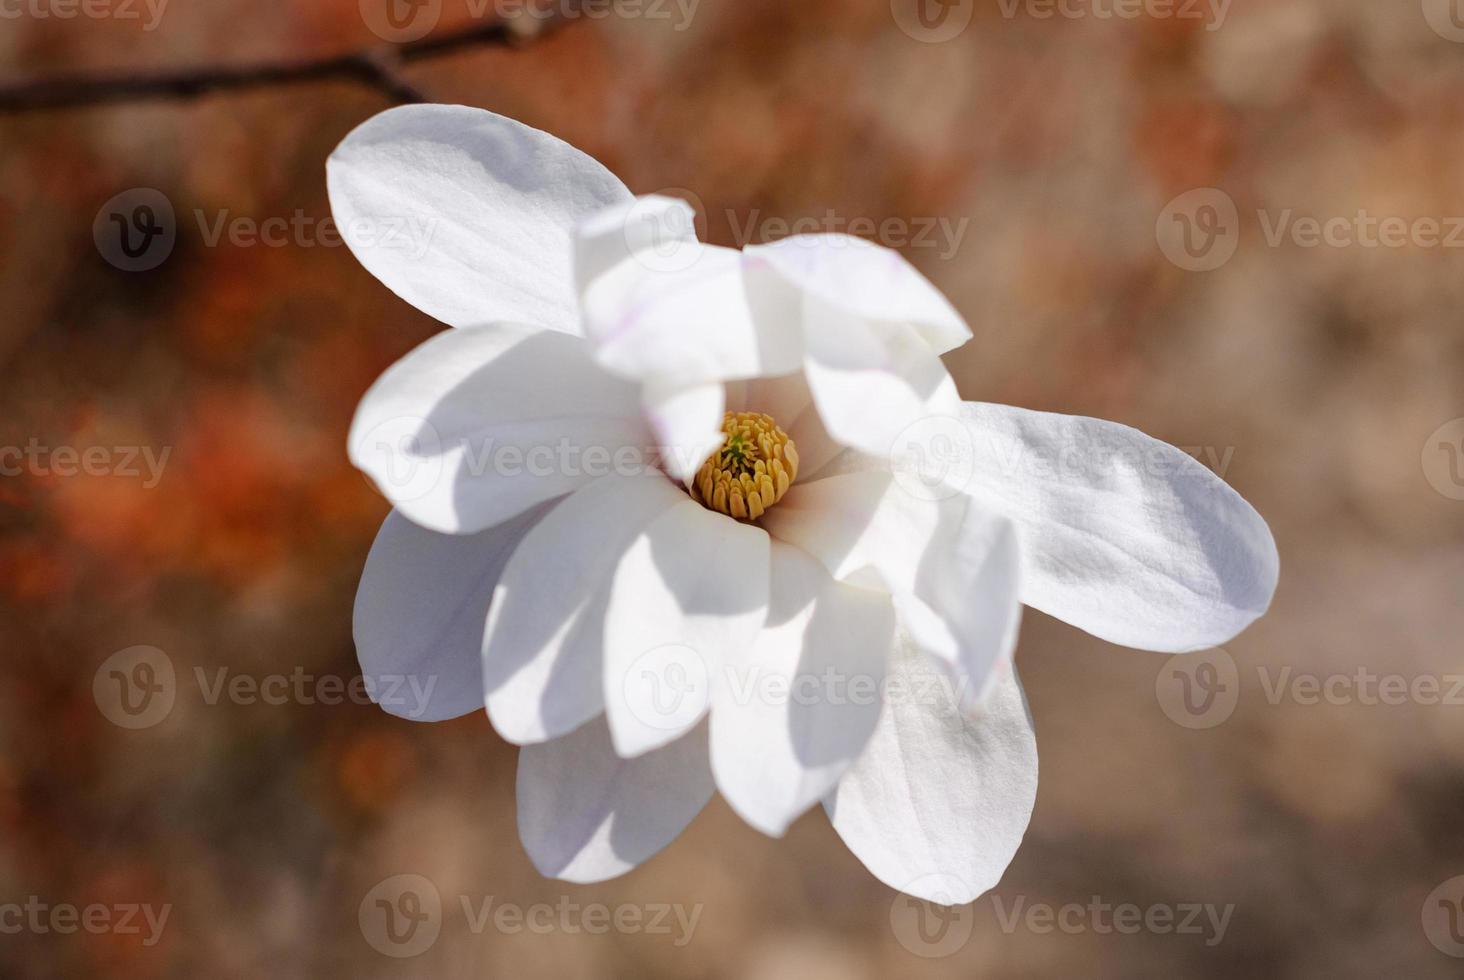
[[1317, 377]]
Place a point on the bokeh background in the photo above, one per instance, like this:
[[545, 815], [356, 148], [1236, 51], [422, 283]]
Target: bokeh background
[[1316, 378]]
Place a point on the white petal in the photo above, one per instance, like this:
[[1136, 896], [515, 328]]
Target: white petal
[[692, 590], [418, 621], [866, 282], [465, 214], [872, 331], [938, 804], [475, 426], [795, 708], [1122, 535], [585, 814], [952, 567], [543, 648], [684, 324], [687, 424]]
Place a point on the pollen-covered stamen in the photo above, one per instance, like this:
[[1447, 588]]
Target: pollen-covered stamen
[[751, 472]]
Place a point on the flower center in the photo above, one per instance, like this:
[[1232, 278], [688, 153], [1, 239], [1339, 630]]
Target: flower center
[[751, 472]]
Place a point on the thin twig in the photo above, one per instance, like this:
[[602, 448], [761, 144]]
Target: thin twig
[[376, 67]]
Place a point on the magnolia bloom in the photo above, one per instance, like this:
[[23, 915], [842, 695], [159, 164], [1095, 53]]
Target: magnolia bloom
[[689, 519]]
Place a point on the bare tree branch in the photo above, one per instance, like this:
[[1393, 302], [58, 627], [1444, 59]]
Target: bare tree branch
[[376, 67]]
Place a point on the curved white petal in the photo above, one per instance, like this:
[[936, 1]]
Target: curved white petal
[[475, 426], [418, 621], [952, 566], [865, 282], [687, 424], [872, 330], [938, 804], [796, 707], [585, 814], [684, 323], [465, 214], [690, 591], [1122, 535], [544, 645]]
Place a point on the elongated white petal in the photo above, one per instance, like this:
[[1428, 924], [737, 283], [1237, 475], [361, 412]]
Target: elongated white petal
[[872, 330], [952, 567], [691, 591], [684, 324], [796, 707], [475, 426], [686, 422], [1122, 535], [585, 814], [544, 646], [465, 214], [939, 802], [418, 620]]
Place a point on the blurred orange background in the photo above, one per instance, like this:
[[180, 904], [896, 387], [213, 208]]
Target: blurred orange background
[[1040, 153]]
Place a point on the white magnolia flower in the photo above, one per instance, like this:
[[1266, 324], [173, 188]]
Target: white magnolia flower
[[760, 610]]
